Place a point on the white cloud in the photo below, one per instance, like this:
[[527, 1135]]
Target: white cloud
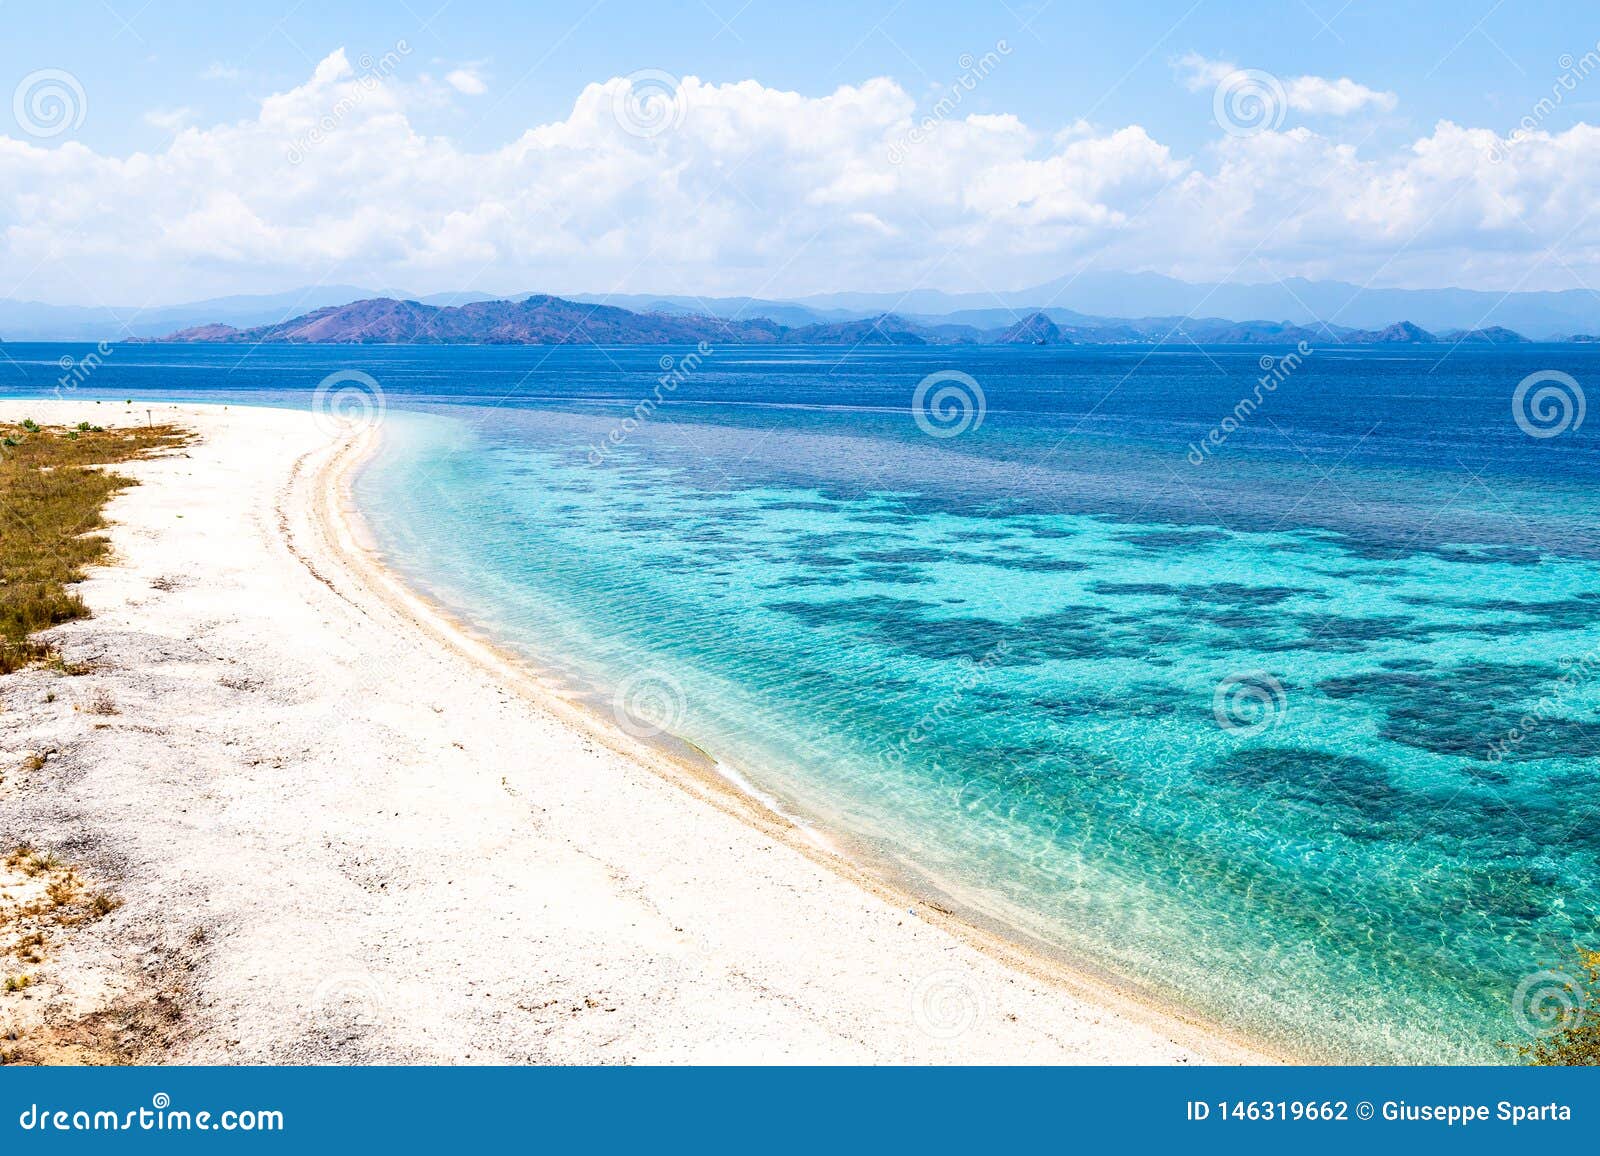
[[1309, 94], [1199, 73], [1317, 95], [467, 80], [169, 119], [742, 188], [216, 70]]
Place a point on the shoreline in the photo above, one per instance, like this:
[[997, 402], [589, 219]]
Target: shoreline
[[403, 845], [722, 786]]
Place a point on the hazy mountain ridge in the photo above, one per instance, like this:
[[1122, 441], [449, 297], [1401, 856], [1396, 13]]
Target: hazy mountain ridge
[[1086, 308], [1112, 295], [545, 320], [538, 320]]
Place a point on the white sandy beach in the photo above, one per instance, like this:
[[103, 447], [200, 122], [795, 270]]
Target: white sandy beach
[[347, 832]]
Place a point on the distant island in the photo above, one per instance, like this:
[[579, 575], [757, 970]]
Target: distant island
[[541, 319], [1087, 307]]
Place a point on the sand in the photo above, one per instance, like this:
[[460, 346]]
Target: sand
[[349, 831]]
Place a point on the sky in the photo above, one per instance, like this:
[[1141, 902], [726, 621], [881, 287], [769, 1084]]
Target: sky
[[162, 152]]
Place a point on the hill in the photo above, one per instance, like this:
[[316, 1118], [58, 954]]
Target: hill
[[541, 319], [538, 320], [1400, 333], [1036, 329], [1492, 335]]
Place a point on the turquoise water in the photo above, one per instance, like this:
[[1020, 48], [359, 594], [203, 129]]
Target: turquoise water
[[1250, 769], [1239, 733]]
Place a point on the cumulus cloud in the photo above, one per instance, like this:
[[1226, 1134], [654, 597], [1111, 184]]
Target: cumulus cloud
[[1316, 94], [1309, 94], [468, 81], [741, 188]]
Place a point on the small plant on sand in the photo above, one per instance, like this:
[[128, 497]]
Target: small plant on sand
[[17, 982], [55, 661], [64, 890], [29, 947], [1576, 1041], [102, 703]]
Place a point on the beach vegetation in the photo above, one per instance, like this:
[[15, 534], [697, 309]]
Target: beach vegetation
[[38, 863], [55, 661], [29, 947], [1576, 1042], [52, 492], [64, 890]]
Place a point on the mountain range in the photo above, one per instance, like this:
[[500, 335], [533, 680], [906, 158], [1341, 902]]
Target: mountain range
[[1086, 308], [1099, 298], [546, 320]]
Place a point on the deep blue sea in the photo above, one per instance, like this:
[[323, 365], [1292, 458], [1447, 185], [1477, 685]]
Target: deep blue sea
[[1286, 712]]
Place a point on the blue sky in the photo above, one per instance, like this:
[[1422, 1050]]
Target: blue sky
[[476, 77], [1475, 62]]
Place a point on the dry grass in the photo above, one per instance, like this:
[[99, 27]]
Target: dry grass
[[43, 902], [51, 498]]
